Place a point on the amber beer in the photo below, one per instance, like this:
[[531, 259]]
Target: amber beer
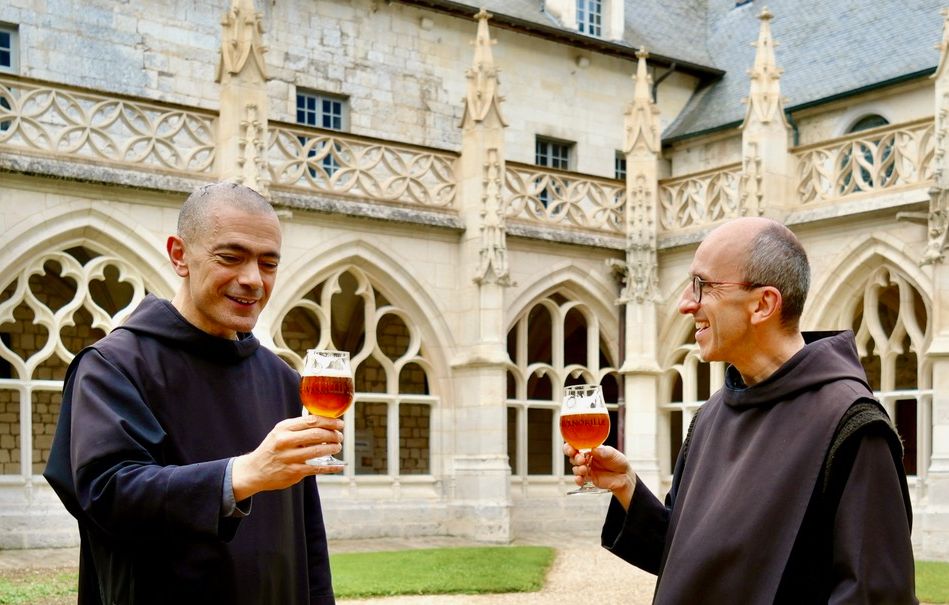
[[327, 395], [585, 431]]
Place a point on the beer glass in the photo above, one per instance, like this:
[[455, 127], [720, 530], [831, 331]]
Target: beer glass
[[326, 389], [584, 424]]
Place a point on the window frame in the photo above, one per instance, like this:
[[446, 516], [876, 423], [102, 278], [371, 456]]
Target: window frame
[[558, 162], [13, 32], [590, 17], [619, 166], [319, 99]]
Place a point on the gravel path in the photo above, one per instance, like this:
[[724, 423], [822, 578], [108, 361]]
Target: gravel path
[[582, 573]]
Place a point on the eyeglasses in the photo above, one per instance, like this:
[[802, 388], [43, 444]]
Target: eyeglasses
[[698, 283]]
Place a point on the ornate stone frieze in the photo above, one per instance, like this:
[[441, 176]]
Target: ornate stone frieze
[[493, 266], [241, 41], [482, 99]]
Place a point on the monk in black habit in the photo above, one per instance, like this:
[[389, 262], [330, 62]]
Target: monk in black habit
[[181, 447], [789, 487]]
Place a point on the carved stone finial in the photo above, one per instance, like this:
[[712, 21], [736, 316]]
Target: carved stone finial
[[241, 41], [764, 101], [251, 160], [640, 272], [642, 115], [482, 98], [493, 265], [938, 227], [750, 193]]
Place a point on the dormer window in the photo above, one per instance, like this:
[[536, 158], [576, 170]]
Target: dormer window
[[590, 17]]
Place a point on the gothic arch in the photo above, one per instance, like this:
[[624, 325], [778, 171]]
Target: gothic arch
[[393, 278], [851, 268], [674, 327], [71, 274], [597, 294], [71, 225]]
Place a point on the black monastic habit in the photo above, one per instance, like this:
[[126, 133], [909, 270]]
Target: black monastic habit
[[150, 416], [750, 518]]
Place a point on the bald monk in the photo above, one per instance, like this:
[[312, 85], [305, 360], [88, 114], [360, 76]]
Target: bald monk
[[789, 487]]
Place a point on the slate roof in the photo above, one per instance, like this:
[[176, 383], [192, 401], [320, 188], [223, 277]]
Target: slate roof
[[825, 47]]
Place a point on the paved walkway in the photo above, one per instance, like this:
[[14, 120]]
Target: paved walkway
[[582, 572]]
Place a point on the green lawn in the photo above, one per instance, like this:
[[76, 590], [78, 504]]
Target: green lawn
[[441, 571], [26, 587], [932, 581], [430, 571]]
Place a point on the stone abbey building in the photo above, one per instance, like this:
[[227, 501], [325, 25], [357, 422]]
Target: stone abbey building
[[483, 203]]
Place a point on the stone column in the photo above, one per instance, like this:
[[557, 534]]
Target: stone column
[[640, 295], [767, 179], [481, 471], [935, 526], [242, 122]]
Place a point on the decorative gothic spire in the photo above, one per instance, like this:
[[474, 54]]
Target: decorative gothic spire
[[764, 101], [482, 96], [937, 218], [241, 40], [642, 115]]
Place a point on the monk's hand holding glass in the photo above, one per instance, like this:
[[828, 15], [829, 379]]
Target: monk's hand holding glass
[[326, 389], [584, 424]]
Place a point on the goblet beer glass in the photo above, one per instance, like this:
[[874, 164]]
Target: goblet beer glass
[[326, 389], [584, 424]]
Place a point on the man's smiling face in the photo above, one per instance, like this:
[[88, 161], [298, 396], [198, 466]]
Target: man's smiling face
[[229, 270]]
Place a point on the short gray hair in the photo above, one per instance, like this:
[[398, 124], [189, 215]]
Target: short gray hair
[[776, 258], [194, 219]]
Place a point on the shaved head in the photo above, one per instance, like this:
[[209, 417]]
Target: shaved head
[[195, 220]]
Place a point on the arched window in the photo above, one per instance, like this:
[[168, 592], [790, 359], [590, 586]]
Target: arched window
[[388, 429], [868, 163], [889, 320], [60, 302], [553, 344], [685, 385]]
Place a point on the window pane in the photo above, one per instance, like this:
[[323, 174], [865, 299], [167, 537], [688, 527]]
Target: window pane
[[512, 439], [540, 424], [371, 438], [6, 49], [590, 17], [414, 432], [318, 110], [906, 427], [553, 154]]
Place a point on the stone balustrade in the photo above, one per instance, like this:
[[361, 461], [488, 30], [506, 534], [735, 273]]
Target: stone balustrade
[[700, 198], [50, 120], [888, 157], [324, 161], [556, 198]]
